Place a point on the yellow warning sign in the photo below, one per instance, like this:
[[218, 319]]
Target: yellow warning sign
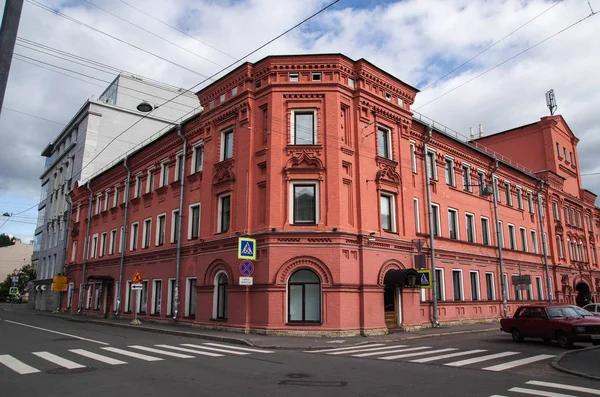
[[137, 277]]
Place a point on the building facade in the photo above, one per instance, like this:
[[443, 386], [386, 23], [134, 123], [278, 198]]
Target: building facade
[[80, 150], [321, 160]]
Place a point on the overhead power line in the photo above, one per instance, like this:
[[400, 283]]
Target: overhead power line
[[507, 60], [31, 115]]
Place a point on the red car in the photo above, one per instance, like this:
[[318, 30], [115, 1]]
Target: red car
[[564, 323]]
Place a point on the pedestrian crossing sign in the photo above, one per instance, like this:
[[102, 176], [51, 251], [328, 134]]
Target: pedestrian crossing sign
[[13, 291], [246, 248], [425, 278], [137, 277]]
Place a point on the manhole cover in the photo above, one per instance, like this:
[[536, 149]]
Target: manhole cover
[[66, 371], [297, 376]]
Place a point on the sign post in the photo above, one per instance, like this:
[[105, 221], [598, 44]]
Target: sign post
[[136, 285]]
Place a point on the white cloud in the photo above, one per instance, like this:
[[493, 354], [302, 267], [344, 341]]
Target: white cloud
[[417, 41]]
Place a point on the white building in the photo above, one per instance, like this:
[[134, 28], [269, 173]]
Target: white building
[[91, 141]]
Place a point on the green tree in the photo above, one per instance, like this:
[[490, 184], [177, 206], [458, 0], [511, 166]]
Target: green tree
[[25, 275], [6, 240]]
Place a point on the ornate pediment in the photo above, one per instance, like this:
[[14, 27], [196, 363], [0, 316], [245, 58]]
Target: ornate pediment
[[224, 172], [388, 174], [305, 162]]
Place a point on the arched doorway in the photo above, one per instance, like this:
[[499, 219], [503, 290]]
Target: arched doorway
[[583, 294], [394, 281]]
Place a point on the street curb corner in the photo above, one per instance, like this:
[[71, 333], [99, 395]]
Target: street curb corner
[[556, 363]]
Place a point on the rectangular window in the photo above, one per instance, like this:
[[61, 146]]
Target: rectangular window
[[571, 157], [558, 149], [164, 174], [89, 297], [316, 76], [573, 220], [122, 239], [350, 82], [94, 246], [234, 91], [74, 251], [70, 295], [106, 199], [518, 292], [417, 215], [430, 165], [147, 232], [439, 285], [413, 157], [457, 285], [161, 221], [194, 223], [304, 127], [224, 213], [156, 296], [470, 223], [556, 211], [490, 288], [496, 189], [519, 197], [534, 243], [567, 220], [450, 179], [150, 181], [294, 77], [559, 244], [540, 290], [128, 297], [512, 237], [453, 224], [435, 212], [466, 175], [570, 247], [222, 98], [481, 182], [524, 245], [257, 83], [507, 193], [198, 158], [530, 202], [134, 237], [587, 222], [387, 212], [98, 201], [501, 229], [174, 225], [388, 96], [226, 145], [190, 297], [171, 295], [142, 303], [474, 285], [579, 219], [565, 153], [305, 203], [179, 167], [485, 231], [383, 142], [102, 244], [113, 241], [138, 186]]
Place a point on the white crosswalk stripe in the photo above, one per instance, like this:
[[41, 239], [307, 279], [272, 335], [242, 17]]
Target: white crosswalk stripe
[[63, 362], [183, 349], [163, 352], [518, 363], [379, 353], [587, 390], [215, 349], [445, 356], [246, 349], [480, 359], [551, 389], [544, 393], [132, 354], [365, 350], [16, 365], [417, 354], [345, 348], [98, 357]]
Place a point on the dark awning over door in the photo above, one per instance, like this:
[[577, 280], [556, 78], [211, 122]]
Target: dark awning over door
[[404, 278]]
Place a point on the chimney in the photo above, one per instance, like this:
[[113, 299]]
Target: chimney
[[480, 130], [471, 133]]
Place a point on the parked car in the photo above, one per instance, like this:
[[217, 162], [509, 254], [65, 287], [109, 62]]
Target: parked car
[[593, 308], [564, 323]]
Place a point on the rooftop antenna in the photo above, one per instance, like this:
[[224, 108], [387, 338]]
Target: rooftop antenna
[[551, 102]]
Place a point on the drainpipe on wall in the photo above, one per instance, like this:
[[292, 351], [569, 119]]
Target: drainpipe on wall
[[123, 236], [178, 255], [499, 240], [67, 231], [544, 242], [86, 247], [431, 239]]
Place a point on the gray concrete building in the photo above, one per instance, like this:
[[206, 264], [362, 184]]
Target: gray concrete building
[[94, 139]]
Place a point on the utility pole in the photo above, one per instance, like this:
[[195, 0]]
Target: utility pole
[[8, 35]]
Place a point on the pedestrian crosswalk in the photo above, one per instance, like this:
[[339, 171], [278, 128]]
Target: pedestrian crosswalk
[[549, 389], [447, 356], [73, 359]]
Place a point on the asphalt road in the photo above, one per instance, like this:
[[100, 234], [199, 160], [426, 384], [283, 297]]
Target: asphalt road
[[91, 360]]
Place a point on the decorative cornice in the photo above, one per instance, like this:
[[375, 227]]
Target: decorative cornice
[[303, 96]]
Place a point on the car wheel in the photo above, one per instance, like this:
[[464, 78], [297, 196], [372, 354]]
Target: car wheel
[[563, 340], [516, 335]]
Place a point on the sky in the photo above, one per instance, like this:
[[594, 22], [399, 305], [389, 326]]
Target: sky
[[418, 41]]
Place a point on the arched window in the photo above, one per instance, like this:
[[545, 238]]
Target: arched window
[[304, 297], [220, 297]]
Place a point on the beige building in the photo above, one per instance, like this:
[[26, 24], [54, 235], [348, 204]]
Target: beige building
[[14, 257]]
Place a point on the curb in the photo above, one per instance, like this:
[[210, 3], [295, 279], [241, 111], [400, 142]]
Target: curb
[[556, 364]]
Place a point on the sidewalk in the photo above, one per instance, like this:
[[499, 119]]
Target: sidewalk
[[264, 341], [582, 362]]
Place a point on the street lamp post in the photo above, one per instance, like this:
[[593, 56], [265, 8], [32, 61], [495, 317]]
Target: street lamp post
[[499, 240]]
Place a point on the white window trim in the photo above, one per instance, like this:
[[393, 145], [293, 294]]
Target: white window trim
[[102, 251], [106, 199], [122, 239], [452, 173], [442, 284], [73, 251], [291, 200], [131, 237], [493, 285], [413, 156], [216, 291], [526, 246], [149, 179], [170, 296], [187, 294], [137, 187], [417, 215], [519, 293], [467, 167], [457, 223], [112, 242], [153, 300], [512, 237], [294, 77], [98, 201], [534, 241], [392, 198], [293, 124], [500, 226], [197, 147], [190, 207], [178, 159], [462, 287], [157, 240], [388, 139], [314, 74], [478, 284], [223, 132], [530, 202], [439, 222], [507, 193], [78, 212], [474, 227], [174, 215], [220, 211], [164, 167], [488, 231], [433, 164], [496, 188], [519, 190], [146, 232], [92, 253], [540, 285], [556, 210]]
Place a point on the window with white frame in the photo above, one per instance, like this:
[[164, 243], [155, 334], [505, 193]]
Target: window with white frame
[[567, 218], [122, 239], [556, 211], [77, 216], [164, 173], [540, 289], [222, 98], [304, 297], [234, 91], [417, 215], [499, 227], [102, 244], [496, 189], [226, 144], [430, 165], [519, 191], [190, 295], [303, 127], [171, 297], [524, 243], [582, 248], [570, 247], [518, 292], [475, 293], [224, 209], [573, 219], [481, 181], [150, 181], [587, 222], [457, 285], [94, 246], [74, 251], [221, 296], [161, 221], [413, 157], [156, 296], [197, 157], [485, 231], [579, 219], [466, 176], [560, 247], [490, 286], [70, 291], [593, 253], [435, 212], [294, 77], [147, 232], [512, 237], [134, 236], [113, 241], [98, 202], [304, 206], [470, 226], [179, 166], [530, 202], [194, 221], [106, 199], [316, 76], [453, 224], [387, 211], [138, 186], [450, 177], [507, 193], [504, 289], [89, 296], [174, 225], [440, 286], [384, 142], [388, 96], [350, 82], [534, 243]]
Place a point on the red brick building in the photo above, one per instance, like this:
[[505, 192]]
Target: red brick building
[[321, 160]]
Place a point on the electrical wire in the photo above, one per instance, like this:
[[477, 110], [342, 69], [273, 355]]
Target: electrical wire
[[507, 60], [31, 115]]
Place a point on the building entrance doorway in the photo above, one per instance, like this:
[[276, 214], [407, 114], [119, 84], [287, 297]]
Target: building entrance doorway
[[392, 306], [583, 294]]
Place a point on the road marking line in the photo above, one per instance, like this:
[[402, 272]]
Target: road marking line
[[443, 356], [63, 362], [518, 363], [183, 349], [390, 351], [539, 392], [98, 357], [239, 348], [215, 349], [497, 395], [368, 350], [158, 351], [587, 390], [417, 354], [16, 365], [343, 348], [132, 354], [480, 359], [56, 332]]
